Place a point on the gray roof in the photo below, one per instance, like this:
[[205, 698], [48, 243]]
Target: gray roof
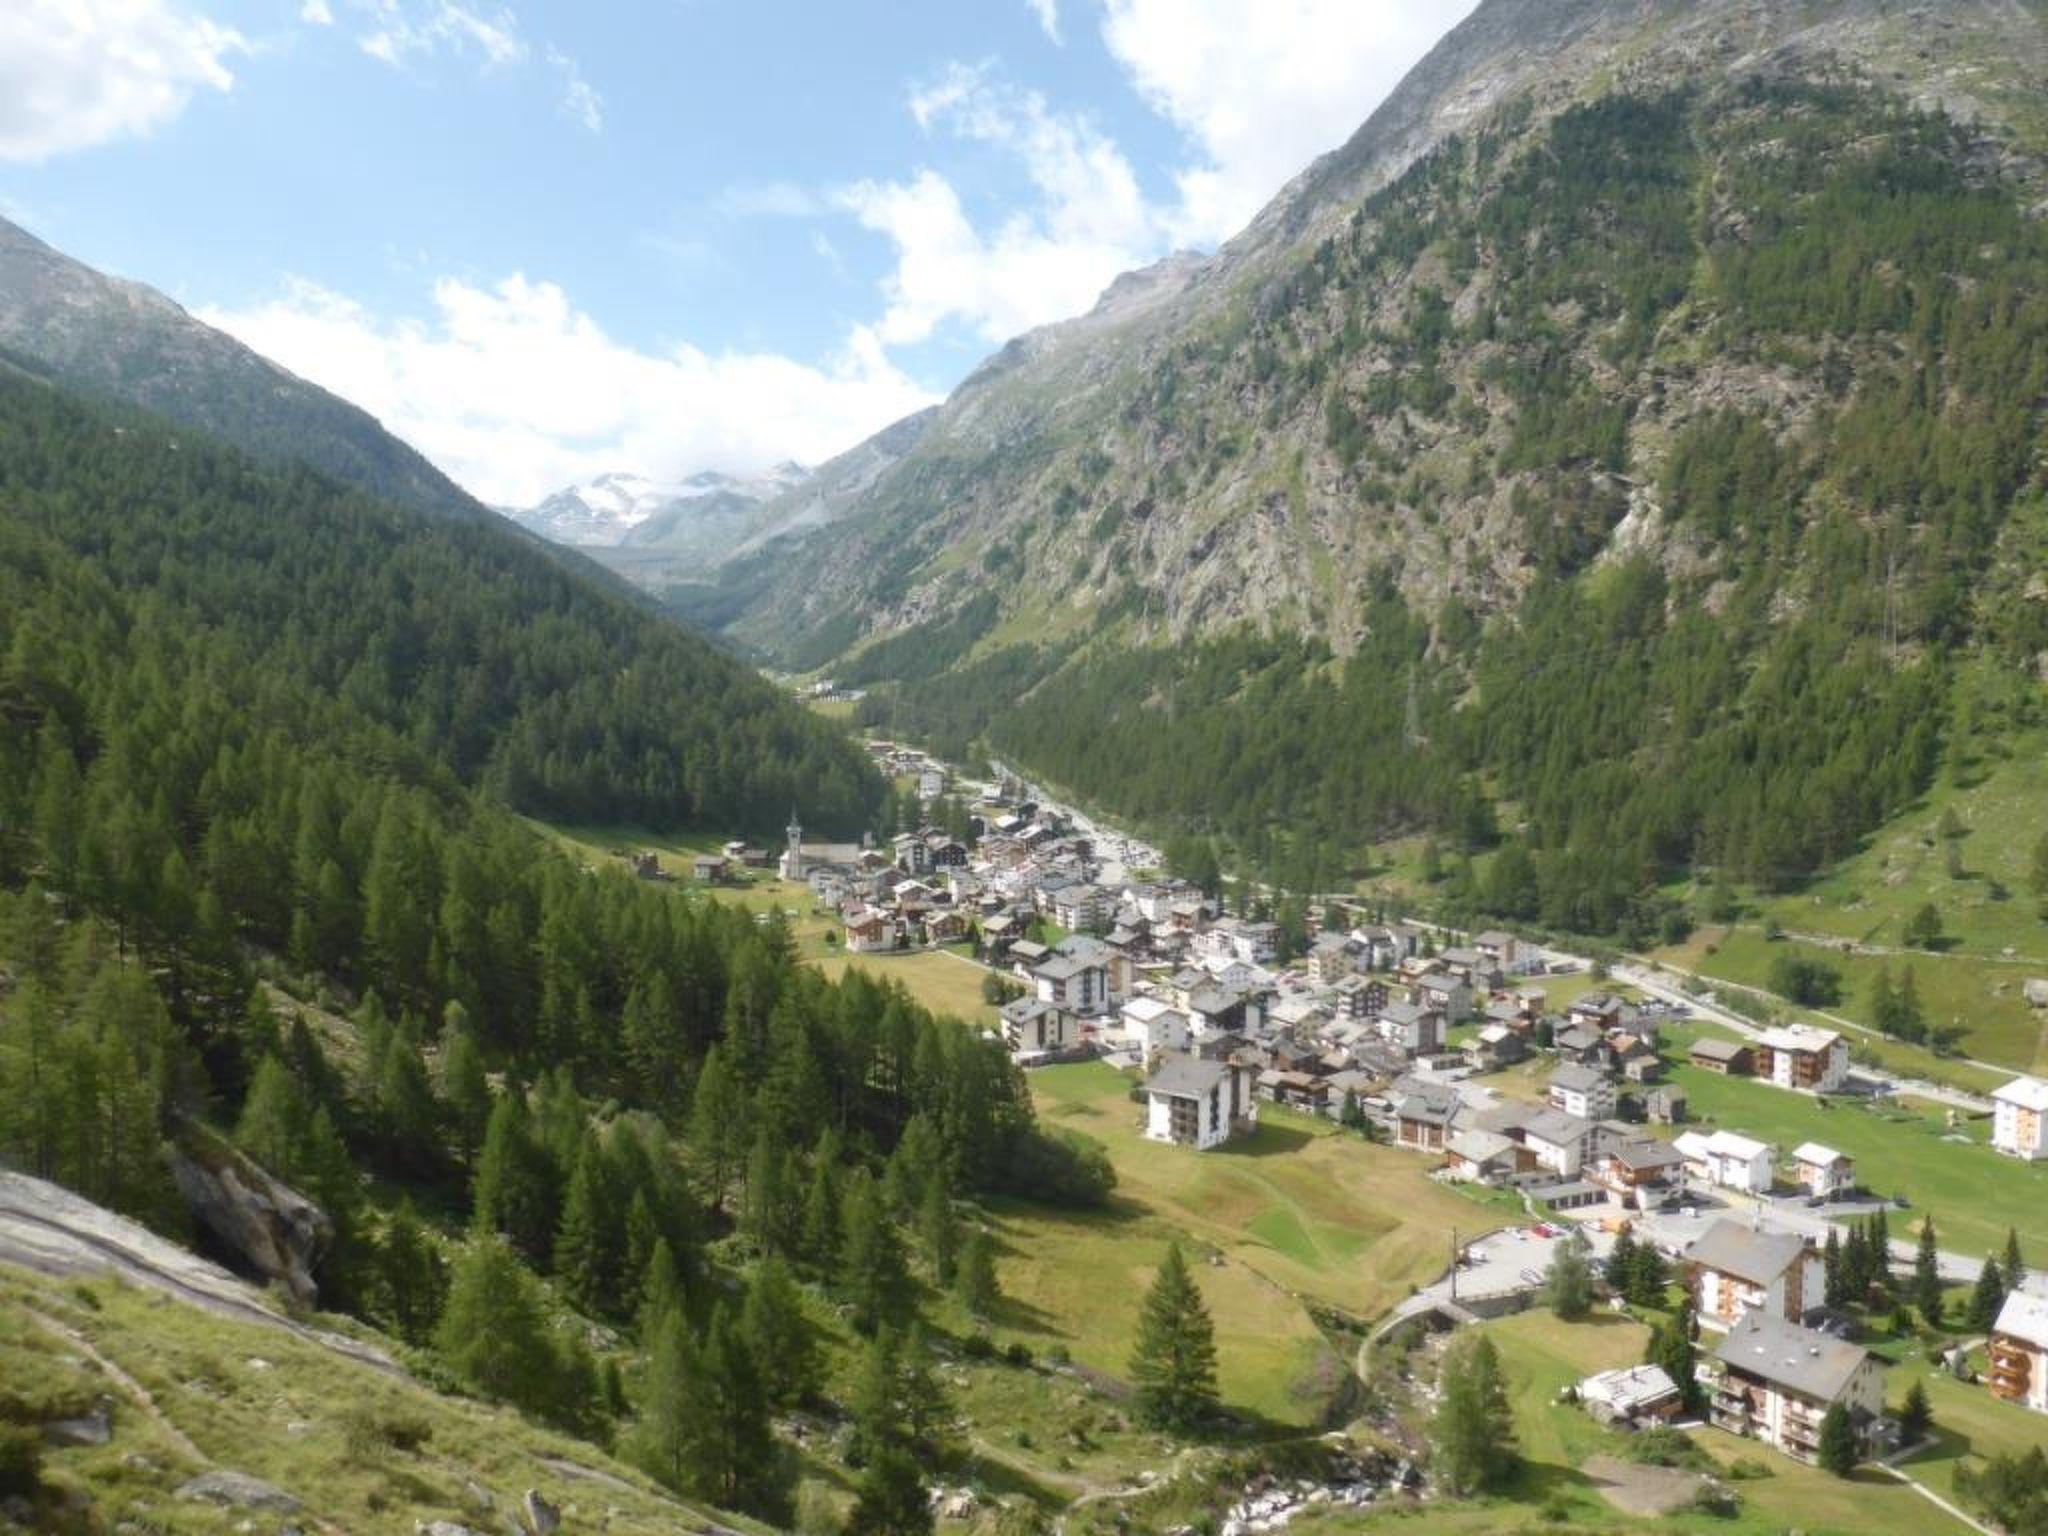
[[1715, 1049], [1812, 1365], [1745, 1252], [1574, 1078], [1065, 967], [1186, 1077], [1556, 1128], [1576, 1037], [1480, 1146]]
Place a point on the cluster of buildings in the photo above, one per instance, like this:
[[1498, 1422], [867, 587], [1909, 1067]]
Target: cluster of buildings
[[1802, 1057]]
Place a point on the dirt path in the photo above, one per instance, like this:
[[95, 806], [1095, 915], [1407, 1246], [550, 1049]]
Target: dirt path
[[136, 1392]]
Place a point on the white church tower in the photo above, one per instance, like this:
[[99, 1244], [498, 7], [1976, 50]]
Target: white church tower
[[793, 854]]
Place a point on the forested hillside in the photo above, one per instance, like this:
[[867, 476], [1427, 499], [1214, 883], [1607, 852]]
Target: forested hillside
[[479, 655], [239, 713], [1687, 445]]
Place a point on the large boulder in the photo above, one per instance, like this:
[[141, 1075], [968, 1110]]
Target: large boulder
[[542, 1518], [238, 1490], [263, 1222], [2037, 992]]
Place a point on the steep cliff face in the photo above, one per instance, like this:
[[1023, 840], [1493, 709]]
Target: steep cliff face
[[1459, 352]]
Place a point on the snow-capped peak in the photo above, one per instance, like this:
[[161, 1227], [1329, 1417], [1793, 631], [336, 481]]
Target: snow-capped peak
[[603, 511]]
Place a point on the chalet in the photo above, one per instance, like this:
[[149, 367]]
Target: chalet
[[1196, 1103], [1730, 1058], [705, 869], [1500, 949], [1151, 1024], [913, 853], [1216, 1010], [1332, 958], [1597, 1010], [1775, 1381], [1558, 1141], [1583, 1044], [1074, 979], [946, 926], [1638, 1170], [1631, 1395], [1493, 1047], [1665, 1105], [1422, 1114], [869, 930], [2019, 1351], [998, 932], [1581, 1091], [1361, 997], [756, 858], [1486, 1157], [1823, 1171], [1412, 1027], [1446, 994], [1035, 1028], [1636, 1059], [1733, 1271], [1295, 1090], [1801, 1057], [1732, 1161], [2019, 1121]]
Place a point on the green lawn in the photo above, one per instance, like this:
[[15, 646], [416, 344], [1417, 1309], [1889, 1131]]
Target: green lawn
[[1322, 1214], [1981, 998], [1968, 1421], [1973, 1193], [944, 982]]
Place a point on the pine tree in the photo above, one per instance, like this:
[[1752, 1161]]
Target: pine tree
[[1621, 1262], [881, 1419], [977, 1284], [890, 1499], [675, 1409], [585, 1253], [719, 1123], [821, 1208], [1568, 1283], [414, 1281], [1916, 1414], [1674, 1347], [769, 1213], [1988, 1297], [514, 1180], [1838, 1451], [939, 1233], [1649, 1278], [1173, 1363], [1472, 1431], [779, 1335], [1927, 1275], [2015, 1264], [661, 1291], [736, 1464], [1835, 1279], [872, 1274], [493, 1334], [466, 1088]]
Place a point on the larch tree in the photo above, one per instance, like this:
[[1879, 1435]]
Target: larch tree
[[1173, 1362]]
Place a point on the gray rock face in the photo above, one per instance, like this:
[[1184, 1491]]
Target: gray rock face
[[95, 1428], [275, 1230], [542, 1518], [238, 1490]]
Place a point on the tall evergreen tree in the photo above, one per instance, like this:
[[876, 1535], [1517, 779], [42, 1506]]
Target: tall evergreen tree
[[1568, 1283], [779, 1336], [890, 1499], [1988, 1296], [872, 1274], [493, 1332], [1173, 1361], [413, 1278], [1471, 1434], [977, 1283], [1927, 1274], [1838, 1451], [2015, 1268]]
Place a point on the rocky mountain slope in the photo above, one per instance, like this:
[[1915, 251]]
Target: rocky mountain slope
[[1550, 218], [127, 342]]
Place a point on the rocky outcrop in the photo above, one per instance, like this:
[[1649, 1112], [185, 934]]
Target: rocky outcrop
[[87, 1429], [264, 1223], [542, 1518], [238, 1490]]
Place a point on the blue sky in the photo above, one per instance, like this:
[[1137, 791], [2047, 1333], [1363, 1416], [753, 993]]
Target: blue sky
[[542, 240]]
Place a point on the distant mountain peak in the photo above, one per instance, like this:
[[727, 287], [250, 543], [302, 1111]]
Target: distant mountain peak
[[616, 507]]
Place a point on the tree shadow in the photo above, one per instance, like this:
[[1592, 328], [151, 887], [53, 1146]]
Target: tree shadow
[[1269, 1140]]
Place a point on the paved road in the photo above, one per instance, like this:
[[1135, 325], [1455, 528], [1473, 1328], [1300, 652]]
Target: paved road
[[1674, 1230]]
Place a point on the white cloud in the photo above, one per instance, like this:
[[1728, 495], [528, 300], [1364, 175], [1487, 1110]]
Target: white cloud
[[1047, 13], [579, 99], [400, 31], [1090, 220], [515, 392], [316, 13], [1262, 87], [76, 73]]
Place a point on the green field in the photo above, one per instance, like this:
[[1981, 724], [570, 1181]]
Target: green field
[[1968, 1421], [945, 982], [1973, 1193], [1979, 998], [1322, 1214]]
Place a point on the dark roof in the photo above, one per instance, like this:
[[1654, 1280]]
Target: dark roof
[[1810, 1364], [1186, 1077], [1714, 1049], [1746, 1253]]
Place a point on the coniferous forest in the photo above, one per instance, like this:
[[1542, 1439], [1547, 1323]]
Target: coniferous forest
[[263, 742]]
